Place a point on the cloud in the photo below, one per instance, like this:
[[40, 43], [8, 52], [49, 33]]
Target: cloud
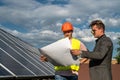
[[113, 35], [21, 4], [114, 21], [31, 13]]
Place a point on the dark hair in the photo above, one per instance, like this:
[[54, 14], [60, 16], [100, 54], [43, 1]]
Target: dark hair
[[98, 23]]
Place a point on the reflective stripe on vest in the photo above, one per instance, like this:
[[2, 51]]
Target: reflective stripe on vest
[[63, 68], [75, 43]]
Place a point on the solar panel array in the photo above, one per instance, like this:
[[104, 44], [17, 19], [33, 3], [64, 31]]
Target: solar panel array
[[20, 59]]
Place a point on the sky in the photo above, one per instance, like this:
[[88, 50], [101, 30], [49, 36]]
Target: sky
[[38, 22]]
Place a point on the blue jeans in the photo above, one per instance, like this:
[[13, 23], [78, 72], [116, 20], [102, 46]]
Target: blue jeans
[[59, 77]]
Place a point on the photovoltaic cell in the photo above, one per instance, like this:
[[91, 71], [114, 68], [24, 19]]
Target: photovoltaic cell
[[4, 71]]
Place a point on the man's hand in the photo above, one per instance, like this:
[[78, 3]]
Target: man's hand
[[75, 72], [83, 60], [43, 58], [76, 52]]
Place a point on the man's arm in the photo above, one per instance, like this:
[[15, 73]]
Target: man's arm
[[99, 53]]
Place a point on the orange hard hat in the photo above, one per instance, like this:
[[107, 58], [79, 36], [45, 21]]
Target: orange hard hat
[[67, 26]]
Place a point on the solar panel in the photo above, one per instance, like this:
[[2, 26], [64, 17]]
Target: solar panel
[[20, 59]]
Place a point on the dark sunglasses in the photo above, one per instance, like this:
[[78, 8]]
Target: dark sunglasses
[[93, 31]]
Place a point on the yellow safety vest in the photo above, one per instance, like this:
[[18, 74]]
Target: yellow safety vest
[[75, 43]]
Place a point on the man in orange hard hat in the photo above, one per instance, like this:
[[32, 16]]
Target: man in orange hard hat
[[62, 74]]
